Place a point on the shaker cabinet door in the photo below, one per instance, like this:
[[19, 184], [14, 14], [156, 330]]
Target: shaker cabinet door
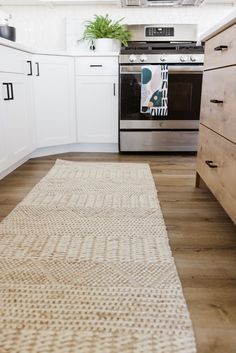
[[15, 121], [97, 109], [18, 125], [54, 99], [3, 119]]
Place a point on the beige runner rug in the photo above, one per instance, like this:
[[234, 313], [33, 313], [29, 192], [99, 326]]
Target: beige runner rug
[[86, 267]]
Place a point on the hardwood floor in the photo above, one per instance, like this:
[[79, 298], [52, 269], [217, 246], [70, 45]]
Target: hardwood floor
[[202, 238]]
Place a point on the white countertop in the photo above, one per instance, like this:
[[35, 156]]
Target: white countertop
[[219, 27], [9, 43], [24, 48]]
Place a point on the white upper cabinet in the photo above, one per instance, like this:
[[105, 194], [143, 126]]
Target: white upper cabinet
[[54, 98], [97, 99]]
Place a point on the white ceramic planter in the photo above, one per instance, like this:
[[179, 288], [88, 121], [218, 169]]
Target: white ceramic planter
[[107, 45]]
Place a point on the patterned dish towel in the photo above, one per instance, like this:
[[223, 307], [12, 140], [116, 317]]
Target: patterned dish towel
[[154, 90]]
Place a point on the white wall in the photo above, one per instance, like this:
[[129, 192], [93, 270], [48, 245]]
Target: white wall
[[44, 27]]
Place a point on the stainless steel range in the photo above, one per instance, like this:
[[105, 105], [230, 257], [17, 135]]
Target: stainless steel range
[[175, 46]]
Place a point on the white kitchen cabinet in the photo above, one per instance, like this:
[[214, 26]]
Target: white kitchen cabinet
[[97, 99], [54, 100], [16, 134], [96, 66], [97, 109], [16, 117], [3, 139]]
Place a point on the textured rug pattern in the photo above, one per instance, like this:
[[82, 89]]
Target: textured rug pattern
[[85, 266]]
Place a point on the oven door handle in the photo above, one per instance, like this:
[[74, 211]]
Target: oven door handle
[[186, 69]]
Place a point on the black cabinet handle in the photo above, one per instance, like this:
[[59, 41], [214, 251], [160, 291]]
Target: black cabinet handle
[[12, 92], [8, 93], [216, 101], [211, 164], [114, 89], [30, 68], [37, 67], [221, 48], [96, 65]]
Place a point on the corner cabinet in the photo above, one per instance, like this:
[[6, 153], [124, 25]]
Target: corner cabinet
[[216, 161], [97, 99], [54, 100], [16, 123]]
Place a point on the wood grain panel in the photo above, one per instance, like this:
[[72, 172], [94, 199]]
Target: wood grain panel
[[220, 179], [220, 85], [218, 58]]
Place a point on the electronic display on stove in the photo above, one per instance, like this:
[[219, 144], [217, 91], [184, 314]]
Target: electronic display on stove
[[159, 31]]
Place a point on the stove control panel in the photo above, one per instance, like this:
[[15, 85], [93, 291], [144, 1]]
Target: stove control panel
[[162, 59], [159, 31]]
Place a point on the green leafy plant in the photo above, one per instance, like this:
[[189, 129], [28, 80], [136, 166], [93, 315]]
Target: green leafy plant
[[104, 27]]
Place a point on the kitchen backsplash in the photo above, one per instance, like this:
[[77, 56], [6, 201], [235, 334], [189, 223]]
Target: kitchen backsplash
[[51, 27]]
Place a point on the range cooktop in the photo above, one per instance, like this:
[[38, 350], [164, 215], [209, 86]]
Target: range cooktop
[[162, 47]]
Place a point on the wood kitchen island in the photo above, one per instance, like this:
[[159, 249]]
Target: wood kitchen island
[[216, 162]]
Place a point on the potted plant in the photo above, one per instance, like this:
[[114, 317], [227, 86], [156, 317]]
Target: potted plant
[[106, 33]]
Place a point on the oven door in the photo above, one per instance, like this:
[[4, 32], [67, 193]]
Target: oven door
[[184, 98]]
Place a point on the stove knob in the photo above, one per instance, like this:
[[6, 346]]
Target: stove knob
[[183, 58], [132, 58], [163, 58], [143, 58], [193, 58]]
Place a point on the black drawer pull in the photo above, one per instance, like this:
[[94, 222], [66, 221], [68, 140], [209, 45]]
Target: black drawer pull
[[37, 68], [216, 101], [11, 90], [8, 93], [30, 68], [96, 65], [221, 48], [211, 164]]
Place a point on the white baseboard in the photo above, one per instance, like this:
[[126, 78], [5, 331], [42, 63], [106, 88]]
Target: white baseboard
[[14, 166], [76, 147]]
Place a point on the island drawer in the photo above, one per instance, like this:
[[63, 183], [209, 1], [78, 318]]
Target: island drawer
[[219, 101], [216, 166], [221, 49]]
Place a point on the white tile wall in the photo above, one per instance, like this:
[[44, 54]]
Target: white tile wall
[[44, 27]]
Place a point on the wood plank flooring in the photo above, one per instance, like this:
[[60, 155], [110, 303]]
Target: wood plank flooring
[[202, 238]]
